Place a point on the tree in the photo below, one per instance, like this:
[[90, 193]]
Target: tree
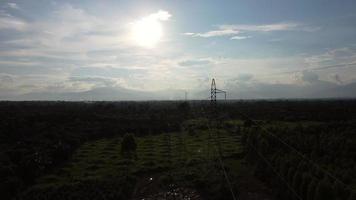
[[303, 189], [340, 191], [128, 145], [324, 190], [184, 108], [352, 196], [311, 189], [297, 181]]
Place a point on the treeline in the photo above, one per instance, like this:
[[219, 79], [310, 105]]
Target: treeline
[[327, 171], [37, 136], [291, 110]]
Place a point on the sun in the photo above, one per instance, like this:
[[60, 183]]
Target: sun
[[148, 31]]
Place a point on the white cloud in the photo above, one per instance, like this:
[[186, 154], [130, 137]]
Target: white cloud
[[69, 38], [214, 33], [309, 76], [264, 27], [337, 56], [237, 37], [188, 33], [195, 62], [161, 15], [13, 6], [235, 29], [8, 21], [336, 78]]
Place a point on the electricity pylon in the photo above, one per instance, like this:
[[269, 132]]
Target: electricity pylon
[[213, 92]]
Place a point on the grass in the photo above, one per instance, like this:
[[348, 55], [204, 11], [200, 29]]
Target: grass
[[163, 152], [188, 159]]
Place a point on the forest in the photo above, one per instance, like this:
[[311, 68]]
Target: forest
[[266, 149]]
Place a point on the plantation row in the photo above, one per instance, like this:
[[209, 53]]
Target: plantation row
[[36, 137], [101, 161], [328, 173]]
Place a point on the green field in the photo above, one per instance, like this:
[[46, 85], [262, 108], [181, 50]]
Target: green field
[[188, 159]]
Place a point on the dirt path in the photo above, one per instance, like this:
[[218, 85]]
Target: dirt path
[[150, 188]]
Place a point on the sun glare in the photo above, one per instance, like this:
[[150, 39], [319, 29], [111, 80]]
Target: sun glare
[[148, 31]]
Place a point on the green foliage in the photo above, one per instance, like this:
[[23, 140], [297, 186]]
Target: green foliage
[[80, 141], [327, 144], [118, 188], [184, 107], [98, 160]]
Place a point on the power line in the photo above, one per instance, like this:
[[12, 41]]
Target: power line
[[275, 171], [213, 93], [226, 176], [296, 151]]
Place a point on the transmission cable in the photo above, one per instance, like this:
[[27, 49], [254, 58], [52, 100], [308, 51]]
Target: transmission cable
[[295, 150], [275, 171], [226, 176]]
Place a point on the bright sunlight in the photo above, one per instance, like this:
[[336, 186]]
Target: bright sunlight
[[148, 31]]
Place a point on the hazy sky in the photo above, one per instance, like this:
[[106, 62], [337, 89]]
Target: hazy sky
[[76, 46]]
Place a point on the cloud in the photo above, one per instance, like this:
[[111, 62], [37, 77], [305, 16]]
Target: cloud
[[195, 62], [13, 6], [189, 33], [291, 26], [310, 77], [214, 33], [161, 15], [337, 78], [235, 29], [6, 79], [337, 56], [244, 77], [338, 60], [96, 81], [8, 22], [237, 37], [70, 49]]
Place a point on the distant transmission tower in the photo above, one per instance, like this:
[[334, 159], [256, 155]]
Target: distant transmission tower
[[214, 114], [214, 91]]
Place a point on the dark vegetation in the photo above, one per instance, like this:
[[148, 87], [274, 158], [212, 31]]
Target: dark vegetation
[[328, 172], [81, 150]]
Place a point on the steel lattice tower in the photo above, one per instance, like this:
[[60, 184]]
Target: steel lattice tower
[[214, 91]]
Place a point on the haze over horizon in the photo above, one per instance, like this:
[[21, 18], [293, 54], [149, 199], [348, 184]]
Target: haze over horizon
[[144, 50]]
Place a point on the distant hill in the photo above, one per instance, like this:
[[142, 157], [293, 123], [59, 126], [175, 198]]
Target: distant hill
[[319, 89]]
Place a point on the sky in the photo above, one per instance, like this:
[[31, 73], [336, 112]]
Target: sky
[[138, 50]]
